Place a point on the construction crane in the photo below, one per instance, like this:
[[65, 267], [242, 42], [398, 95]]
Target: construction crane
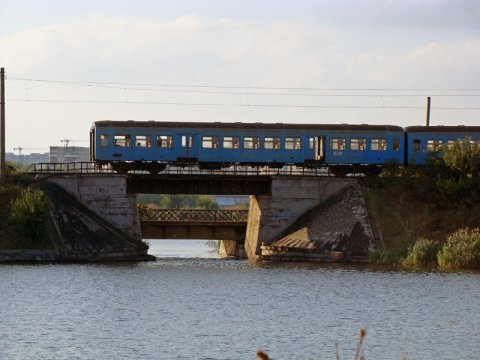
[[20, 149], [67, 141]]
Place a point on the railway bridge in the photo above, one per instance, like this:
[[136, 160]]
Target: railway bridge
[[277, 200]]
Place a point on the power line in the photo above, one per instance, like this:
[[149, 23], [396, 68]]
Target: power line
[[239, 104], [259, 93], [93, 83]]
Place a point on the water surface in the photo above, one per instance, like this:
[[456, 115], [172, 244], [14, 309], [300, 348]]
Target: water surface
[[188, 305]]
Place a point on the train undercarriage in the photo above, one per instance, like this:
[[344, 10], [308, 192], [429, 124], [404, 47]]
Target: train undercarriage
[[154, 167]]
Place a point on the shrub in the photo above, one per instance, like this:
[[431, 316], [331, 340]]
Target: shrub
[[422, 254], [384, 256], [29, 216], [461, 251]]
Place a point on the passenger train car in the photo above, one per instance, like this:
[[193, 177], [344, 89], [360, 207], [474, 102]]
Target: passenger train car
[[422, 141], [150, 146]]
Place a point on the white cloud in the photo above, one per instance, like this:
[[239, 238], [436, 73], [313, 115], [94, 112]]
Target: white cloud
[[197, 50]]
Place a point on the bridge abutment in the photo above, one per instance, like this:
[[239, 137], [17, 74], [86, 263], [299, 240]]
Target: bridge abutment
[[106, 195], [270, 215]]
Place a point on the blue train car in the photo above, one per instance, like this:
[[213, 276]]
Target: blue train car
[[364, 145], [131, 145], [423, 141]]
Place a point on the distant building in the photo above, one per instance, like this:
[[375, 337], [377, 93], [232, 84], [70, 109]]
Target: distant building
[[26, 159], [66, 154]]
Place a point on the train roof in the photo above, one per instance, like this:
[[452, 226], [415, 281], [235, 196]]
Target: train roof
[[443, 129], [242, 125]]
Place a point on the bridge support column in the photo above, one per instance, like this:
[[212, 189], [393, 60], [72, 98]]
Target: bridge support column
[[105, 195], [228, 249], [270, 215]]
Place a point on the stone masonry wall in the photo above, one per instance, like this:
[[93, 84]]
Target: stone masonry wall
[[106, 196], [270, 215], [341, 224]]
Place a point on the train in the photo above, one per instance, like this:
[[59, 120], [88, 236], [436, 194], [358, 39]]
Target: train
[[151, 146]]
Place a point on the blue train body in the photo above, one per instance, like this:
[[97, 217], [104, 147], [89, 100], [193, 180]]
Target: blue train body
[[423, 141], [131, 145]]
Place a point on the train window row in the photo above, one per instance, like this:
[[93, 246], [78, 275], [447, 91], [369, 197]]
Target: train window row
[[208, 142], [360, 144], [436, 145], [269, 143]]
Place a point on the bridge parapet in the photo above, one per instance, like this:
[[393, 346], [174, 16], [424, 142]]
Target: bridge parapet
[[193, 215]]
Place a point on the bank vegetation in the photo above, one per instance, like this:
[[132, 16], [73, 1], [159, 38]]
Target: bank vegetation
[[24, 213], [429, 216]]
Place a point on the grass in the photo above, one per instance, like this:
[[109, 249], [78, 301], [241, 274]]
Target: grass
[[423, 254]]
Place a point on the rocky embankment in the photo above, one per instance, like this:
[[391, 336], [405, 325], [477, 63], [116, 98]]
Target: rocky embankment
[[79, 235], [338, 229]]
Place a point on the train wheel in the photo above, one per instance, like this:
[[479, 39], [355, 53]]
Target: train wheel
[[120, 168], [155, 168]]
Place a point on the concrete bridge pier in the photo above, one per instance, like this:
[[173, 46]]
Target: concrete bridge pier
[[290, 198], [106, 195], [231, 249]]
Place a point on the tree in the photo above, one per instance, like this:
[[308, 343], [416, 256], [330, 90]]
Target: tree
[[459, 183], [29, 216], [463, 157]]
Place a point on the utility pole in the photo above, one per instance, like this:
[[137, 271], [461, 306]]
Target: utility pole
[[3, 168], [429, 101]]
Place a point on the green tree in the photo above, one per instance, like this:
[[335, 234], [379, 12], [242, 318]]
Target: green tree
[[206, 202], [29, 216], [463, 157], [458, 182]]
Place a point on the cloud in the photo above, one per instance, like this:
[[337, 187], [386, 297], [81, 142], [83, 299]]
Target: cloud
[[193, 49], [198, 50]]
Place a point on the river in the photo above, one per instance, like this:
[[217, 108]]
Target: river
[[191, 305]]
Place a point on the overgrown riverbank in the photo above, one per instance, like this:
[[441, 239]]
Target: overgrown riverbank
[[40, 222], [429, 216]]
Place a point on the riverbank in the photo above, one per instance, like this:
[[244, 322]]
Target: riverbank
[[42, 223], [380, 220]]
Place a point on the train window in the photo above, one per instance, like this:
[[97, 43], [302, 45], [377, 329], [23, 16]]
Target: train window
[[337, 144], [103, 140], [164, 141], [209, 142], [143, 140], [396, 144], [231, 142], [122, 140], [378, 144], [434, 145], [450, 143], [251, 142], [272, 143], [292, 143], [416, 145], [357, 144]]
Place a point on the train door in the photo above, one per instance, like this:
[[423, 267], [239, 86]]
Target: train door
[[189, 147], [318, 146], [92, 145]]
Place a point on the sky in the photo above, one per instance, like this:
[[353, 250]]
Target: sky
[[69, 63]]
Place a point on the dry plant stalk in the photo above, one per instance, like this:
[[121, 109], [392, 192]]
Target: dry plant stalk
[[359, 350], [261, 355]]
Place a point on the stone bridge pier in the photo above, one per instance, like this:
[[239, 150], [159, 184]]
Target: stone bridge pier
[[290, 198]]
